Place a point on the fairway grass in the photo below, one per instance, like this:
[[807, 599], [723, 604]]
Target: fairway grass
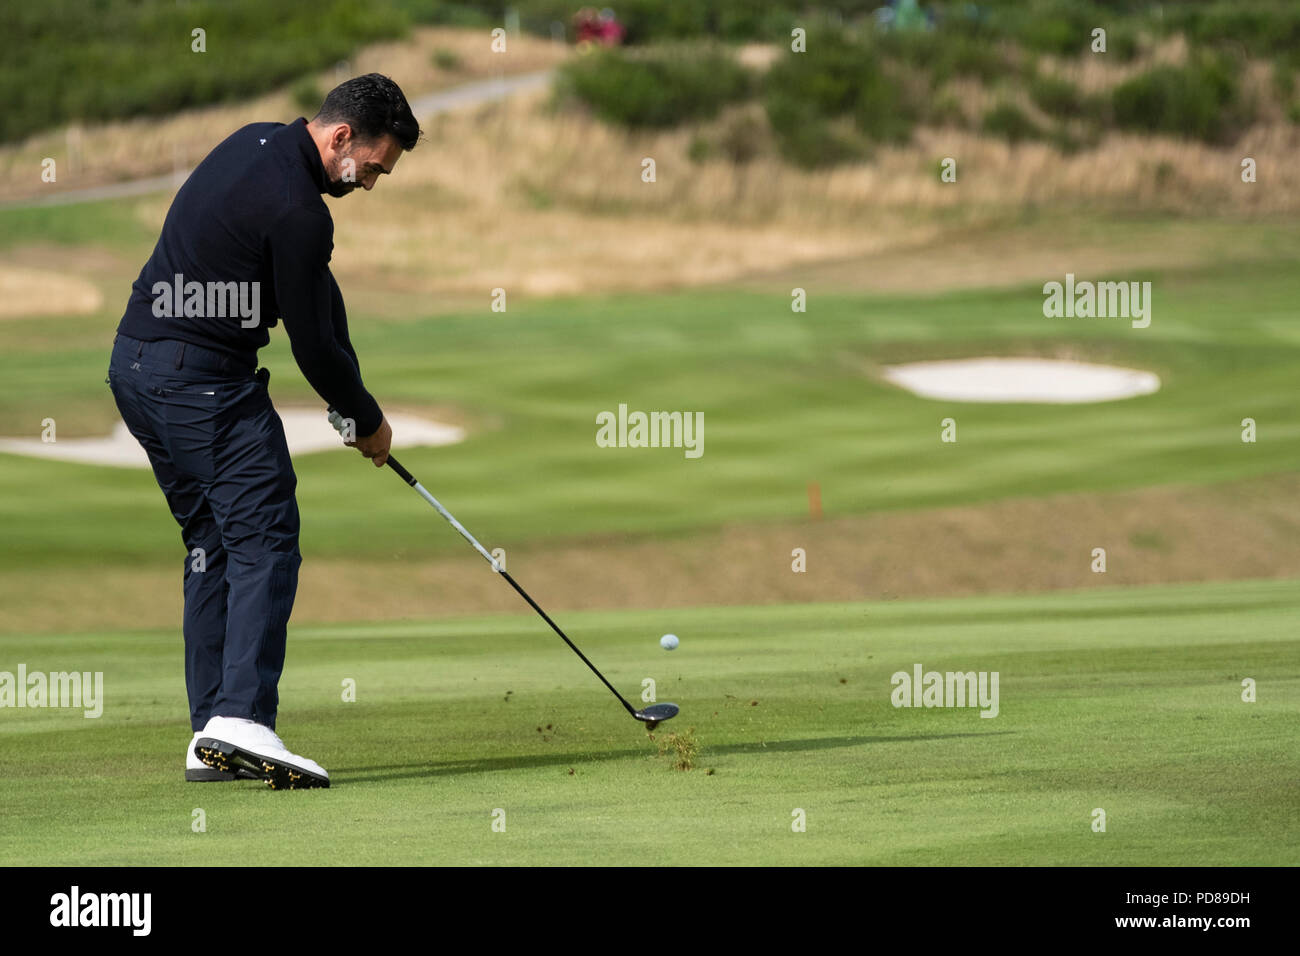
[[787, 398], [1125, 700]]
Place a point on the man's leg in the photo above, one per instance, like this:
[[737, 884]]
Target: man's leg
[[224, 438], [252, 497], [130, 378], [206, 594]]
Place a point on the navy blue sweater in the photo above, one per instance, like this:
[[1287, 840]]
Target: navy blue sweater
[[252, 213]]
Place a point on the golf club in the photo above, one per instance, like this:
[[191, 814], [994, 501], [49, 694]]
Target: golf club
[[651, 716]]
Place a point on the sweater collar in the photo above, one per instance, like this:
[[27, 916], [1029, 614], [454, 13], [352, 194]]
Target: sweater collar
[[304, 147]]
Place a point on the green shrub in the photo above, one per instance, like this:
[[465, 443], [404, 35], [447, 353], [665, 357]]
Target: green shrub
[[1062, 29], [882, 111], [1261, 28], [1056, 96], [944, 54], [307, 96], [478, 15], [1010, 123], [809, 140], [657, 87], [946, 110], [657, 21], [1199, 100], [1283, 79], [825, 79], [1122, 43], [806, 94], [445, 59], [74, 60]]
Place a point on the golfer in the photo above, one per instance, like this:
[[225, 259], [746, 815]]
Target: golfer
[[247, 243]]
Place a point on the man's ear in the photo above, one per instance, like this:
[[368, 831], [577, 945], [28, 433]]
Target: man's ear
[[340, 137]]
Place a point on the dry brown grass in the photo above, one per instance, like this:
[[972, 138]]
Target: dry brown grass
[[1022, 253], [543, 202], [758, 56], [1124, 173], [540, 204], [1097, 72], [119, 151], [1234, 531]]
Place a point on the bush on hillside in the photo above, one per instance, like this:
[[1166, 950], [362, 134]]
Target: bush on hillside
[[655, 88], [805, 94], [1056, 96], [945, 54], [1199, 100], [306, 96], [1262, 28], [1008, 121], [126, 58], [646, 21]]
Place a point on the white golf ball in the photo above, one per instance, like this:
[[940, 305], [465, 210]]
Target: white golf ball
[[668, 642]]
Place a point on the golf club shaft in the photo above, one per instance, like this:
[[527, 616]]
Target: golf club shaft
[[406, 476]]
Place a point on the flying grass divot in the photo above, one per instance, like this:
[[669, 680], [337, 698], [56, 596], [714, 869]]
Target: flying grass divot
[[682, 747]]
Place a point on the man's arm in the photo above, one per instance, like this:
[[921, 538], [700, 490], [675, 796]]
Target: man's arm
[[374, 446], [300, 245], [339, 319]]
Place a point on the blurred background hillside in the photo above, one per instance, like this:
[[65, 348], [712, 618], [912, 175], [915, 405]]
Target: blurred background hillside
[[795, 147]]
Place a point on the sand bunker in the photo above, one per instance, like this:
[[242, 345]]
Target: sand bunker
[[26, 293], [305, 429], [1046, 381]]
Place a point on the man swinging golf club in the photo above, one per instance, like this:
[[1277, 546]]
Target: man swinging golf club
[[247, 243]]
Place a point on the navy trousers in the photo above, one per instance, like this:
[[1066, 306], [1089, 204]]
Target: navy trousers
[[218, 452]]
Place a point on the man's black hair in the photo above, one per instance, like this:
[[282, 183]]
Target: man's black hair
[[373, 105]]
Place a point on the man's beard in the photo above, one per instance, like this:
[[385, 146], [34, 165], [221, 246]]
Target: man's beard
[[337, 187]]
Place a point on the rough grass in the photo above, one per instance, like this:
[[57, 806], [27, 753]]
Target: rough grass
[[1236, 530]]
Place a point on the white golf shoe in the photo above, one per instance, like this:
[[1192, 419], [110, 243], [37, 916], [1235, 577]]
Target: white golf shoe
[[196, 771], [230, 744]]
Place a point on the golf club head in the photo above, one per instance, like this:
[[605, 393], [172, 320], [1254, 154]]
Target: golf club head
[[656, 714]]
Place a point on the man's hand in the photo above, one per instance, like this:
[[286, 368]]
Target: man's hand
[[375, 447]]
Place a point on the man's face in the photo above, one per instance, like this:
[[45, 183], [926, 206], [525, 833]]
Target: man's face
[[351, 162]]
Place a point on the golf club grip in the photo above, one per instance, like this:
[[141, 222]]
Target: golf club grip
[[405, 475]]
